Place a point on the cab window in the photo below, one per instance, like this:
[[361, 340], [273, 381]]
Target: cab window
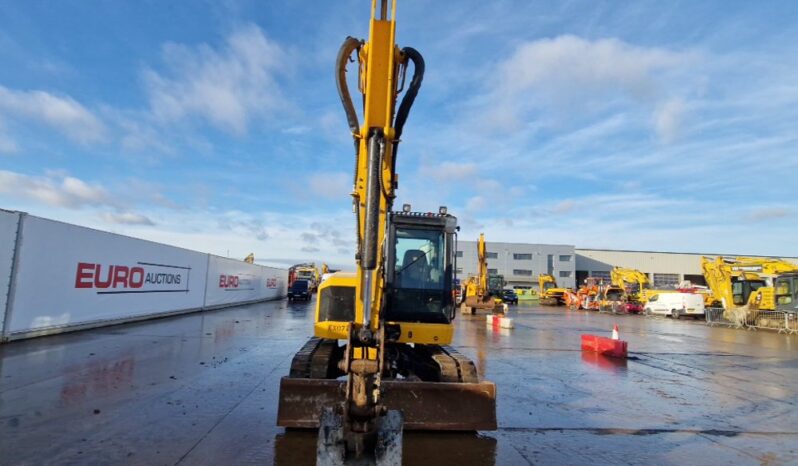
[[419, 282]]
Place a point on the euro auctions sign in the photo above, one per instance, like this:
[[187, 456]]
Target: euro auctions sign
[[140, 277]]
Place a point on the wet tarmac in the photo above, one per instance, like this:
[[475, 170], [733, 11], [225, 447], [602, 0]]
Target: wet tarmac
[[202, 389]]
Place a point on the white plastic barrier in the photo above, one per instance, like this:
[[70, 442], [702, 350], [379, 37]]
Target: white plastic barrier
[[233, 281], [9, 221], [70, 276]]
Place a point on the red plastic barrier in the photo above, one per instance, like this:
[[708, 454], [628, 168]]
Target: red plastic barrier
[[605, 346]]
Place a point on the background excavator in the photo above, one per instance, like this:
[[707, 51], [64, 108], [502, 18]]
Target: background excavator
[[743, 286], [394, 314], [550, 293], [636, 285], [482, 291]]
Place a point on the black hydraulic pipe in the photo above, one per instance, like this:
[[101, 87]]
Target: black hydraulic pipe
[[412, 90], [350, 45], [408, 99], [369, 259]]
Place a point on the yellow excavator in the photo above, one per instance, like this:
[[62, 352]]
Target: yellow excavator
[[743, 286], [379, 361], [479, 294], [636, 285], [250, 259], [550, 294]]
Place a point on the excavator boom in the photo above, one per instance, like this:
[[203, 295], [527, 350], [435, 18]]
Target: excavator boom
[[482, 289], [394, 315]]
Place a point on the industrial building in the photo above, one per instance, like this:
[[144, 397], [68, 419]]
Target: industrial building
[[664, 269], [521, 263]]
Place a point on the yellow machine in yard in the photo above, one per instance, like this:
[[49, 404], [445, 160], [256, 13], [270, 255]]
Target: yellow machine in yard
[[550, 294], [637, 286], [394, 315], [479, 292], [744, 286]]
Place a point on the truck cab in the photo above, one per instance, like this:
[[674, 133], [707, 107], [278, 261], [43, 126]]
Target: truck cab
[[300, 289]]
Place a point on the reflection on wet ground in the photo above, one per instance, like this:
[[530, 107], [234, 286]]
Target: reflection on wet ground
[[202, 389], [298, 448]]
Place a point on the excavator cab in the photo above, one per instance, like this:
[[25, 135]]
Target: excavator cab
[[420, 267], [787, 292], [742, 289]]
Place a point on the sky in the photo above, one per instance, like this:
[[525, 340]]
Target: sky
[[216, 125]]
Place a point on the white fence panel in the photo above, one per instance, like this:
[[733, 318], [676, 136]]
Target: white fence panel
[[69, 275], [233, 281], [9, 222]]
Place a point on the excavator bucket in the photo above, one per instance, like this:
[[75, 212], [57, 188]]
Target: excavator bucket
[[450, 406], [331, 443]]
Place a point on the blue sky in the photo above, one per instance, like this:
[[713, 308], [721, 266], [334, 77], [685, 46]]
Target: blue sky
[[216, 125]]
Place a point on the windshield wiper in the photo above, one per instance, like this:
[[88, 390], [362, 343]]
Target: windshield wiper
[[411, 263]]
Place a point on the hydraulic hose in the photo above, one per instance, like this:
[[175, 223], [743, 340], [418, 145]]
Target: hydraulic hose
[[350, 45], [370, 240], [412, 90], [408, 99]]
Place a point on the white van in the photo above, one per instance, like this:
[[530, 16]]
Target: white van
[[676, 305]]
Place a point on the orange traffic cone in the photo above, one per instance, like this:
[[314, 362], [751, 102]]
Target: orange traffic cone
[[615, 335]]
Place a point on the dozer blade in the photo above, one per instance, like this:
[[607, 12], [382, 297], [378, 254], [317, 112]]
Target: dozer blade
[[424, 405]]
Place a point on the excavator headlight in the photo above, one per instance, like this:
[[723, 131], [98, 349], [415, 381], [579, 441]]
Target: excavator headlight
[[406, 208], [442, 210]]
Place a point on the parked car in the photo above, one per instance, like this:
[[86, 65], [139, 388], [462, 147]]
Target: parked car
[[509, 297], [676, 305], [299, 290]]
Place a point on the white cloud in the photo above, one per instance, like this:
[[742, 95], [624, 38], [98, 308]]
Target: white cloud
[[60, 190], [574, 77], [668, 119], [63, 114], [54, 189], [575, 66], [243, 223], [768, 213], [476, 203], [296, 130], [564, 207], [334, 185], [126, 218], [226, 87]]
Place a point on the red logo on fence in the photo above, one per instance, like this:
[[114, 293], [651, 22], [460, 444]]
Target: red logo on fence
[[228, 281], [114, 276], [271, 283], [90, 275]]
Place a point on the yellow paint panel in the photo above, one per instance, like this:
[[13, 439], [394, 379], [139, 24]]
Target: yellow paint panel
[[427, 334]]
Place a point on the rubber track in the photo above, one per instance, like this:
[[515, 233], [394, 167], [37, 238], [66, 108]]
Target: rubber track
[[320, 363], [313, 361], [454, 366], [300, 365], [465, 366]]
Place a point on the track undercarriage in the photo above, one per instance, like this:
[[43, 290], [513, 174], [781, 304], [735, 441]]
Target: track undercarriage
[[435, 387]]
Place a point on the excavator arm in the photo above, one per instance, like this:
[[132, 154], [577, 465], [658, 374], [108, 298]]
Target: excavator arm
[[400, 294], [478, 288]]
